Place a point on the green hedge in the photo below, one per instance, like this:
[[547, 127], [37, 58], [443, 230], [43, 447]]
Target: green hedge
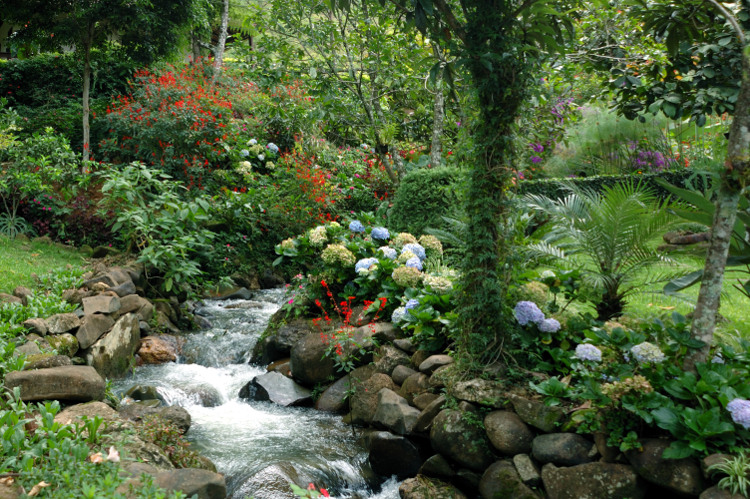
[[423, 197], [555, 188]]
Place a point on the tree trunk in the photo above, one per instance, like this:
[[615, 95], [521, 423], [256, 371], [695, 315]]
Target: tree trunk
[[86, 106], [438, 117], [733, 180], [219, 60]]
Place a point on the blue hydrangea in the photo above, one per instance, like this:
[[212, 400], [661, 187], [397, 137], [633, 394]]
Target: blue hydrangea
[[252, 142], [389, 252], [415, 248], [740, 411], [356, 226], [244, 153], [364, 264], [647, 353], [380, 233], [413, 303], [527, 312], [414, 262], [586, 351], [718, 359], [398, 315], [272, 147], [549, 326]]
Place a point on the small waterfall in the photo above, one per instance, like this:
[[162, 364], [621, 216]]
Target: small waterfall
[[242, 437]]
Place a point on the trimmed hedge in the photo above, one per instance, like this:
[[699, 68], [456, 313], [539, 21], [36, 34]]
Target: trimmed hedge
[[423, 197], [555, 188]]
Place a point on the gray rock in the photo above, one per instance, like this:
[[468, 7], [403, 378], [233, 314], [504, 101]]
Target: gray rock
[[400, 373], [682, 476], [272, 482], [101, 304], [422, 487], [419, 356], [716, 493], [276, 388], [124, 289], [536, 414], [36, 326], [7, 298], [92, 328], [394, 413], [433, 362], [562, 449], [62, 323], [77, 383], [112, 354], [711, 460], [454, 436], [143, 392], [173, 414], [74, 414], [501, 479], [437, 466], [64, 344], [364, 399], [428, 414], [237, 294], [414, 385], [203, 484], [382, 332], [23, 293], [592, 481], [334, 398], [28, 348], [481, 391], [75, 296], [309, 363], [507, 433], [405, 344], [393, 455], [45, 361], [388, 358], [527, 470], [279, 344]]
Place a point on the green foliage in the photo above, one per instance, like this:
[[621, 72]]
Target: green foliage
[[423, 198], [612, 230], [168, 437], [737, 471]]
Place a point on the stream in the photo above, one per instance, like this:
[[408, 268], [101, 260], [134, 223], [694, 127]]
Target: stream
[[243, 437]]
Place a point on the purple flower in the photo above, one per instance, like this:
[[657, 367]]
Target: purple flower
[[413, 303], [549, 326], [380, 233], [535, 159], [537, 147], [414, 262], [740, 411], [415, 248], [528, 312], [356, 226]]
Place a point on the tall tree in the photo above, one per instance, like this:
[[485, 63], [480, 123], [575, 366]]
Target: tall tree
[[147, 30]]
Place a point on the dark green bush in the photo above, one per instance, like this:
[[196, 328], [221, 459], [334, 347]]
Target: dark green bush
[[555, 188], [423, 198]]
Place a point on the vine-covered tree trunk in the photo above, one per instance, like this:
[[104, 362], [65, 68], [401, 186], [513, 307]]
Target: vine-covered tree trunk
[[438, 115], [733, 180], [86, 111], [219, 60]]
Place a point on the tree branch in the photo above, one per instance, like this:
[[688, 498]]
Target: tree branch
[[450, 19], [730, 18]]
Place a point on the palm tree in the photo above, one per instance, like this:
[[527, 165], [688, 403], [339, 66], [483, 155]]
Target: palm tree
[[612, 229]]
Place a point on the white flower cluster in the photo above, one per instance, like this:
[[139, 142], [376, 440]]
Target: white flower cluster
[[318, 236]]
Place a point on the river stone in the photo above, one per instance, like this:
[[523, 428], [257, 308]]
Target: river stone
[[428, 414], [717, 493], [562, 449], [422, 400], [74, 414], [309, 363], [527, 470], [134, 303], [536, 414], [364, 399], [279, 344], [75, 296], [711, 460], [388, 358], [394, 413], [203, 484], [682, 476], [507, 433], [92, 328], [419, 356], [481, 391], [78, 383], [276, 388], [64, 344], [400, 373], [405, 344], [459, 440], [158, 349], [382, 332], [23, 293], [8, 298], [28, 348], [433, 362], [112, 354], [592, 481], [36, 325], [101, 304], [393, 455], [501, 479], [272, 482], [45, 361], [62, 323], [414, 385], [124, 289], [143, 392], [437, 466], [422, 487], [334, 398]]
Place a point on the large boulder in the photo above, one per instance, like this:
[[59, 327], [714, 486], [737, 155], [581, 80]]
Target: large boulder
[[64, 344], [276, 388], [309, 361], [364, 400], [388, 358], [394, 413], [45, 361], [158, 349], [393, 455], [271, 482], [563, 449], [480, 391], [507, 433], [422, 487], [62, 323], [112, 354], [501, 479], [279, 344], [76, 383], [535, 413], [433, 362], [92, 328], [199, 483], [334, 398], [454, 435], [592, 481], [681, 476], [176, 415], [101, 304], [414, 385], [429, 413]]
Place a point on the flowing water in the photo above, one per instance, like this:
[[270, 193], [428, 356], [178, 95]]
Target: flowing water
[[243, 437]]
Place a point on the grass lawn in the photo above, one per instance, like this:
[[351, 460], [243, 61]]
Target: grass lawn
[[20, 259]]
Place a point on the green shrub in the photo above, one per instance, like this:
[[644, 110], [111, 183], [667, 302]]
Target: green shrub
[[423, 198]]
